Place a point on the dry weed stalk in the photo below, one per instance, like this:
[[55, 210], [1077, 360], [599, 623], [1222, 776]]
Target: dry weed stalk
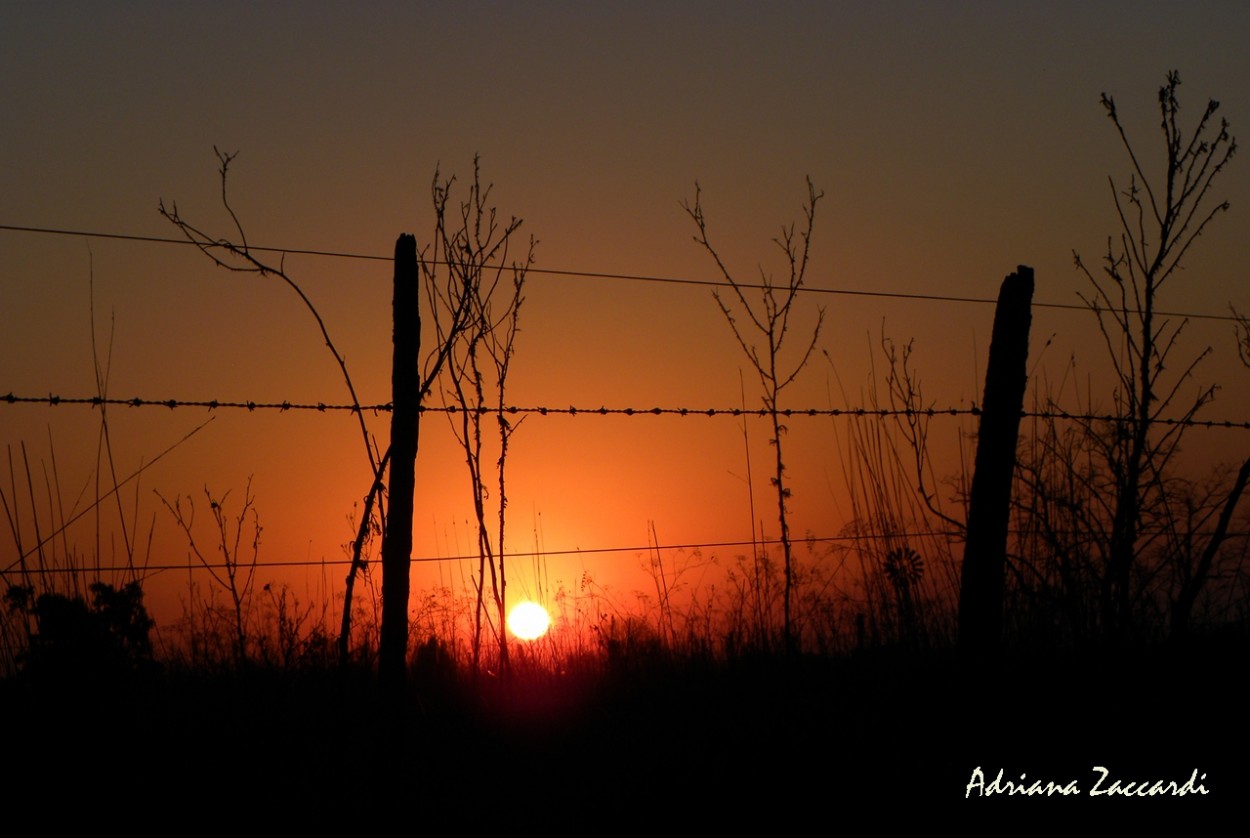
[[236, 571], [769, 319]]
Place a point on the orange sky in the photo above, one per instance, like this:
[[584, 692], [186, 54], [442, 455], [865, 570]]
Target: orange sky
[[953, 142]]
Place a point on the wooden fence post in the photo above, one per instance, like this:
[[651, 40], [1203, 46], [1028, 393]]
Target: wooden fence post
[[989, 506], [397, 536]]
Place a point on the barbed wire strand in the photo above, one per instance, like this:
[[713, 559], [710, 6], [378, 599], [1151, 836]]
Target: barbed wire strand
[[789, 413], [671, 280]]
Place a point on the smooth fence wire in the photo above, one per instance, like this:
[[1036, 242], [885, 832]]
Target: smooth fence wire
[[148, 569], [462, 557], [566, 272]]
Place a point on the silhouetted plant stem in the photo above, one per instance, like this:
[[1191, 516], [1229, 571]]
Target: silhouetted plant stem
[[104, 445], [477, 250], [1183, 604], [357, 561], [250, 263], [758, 593], [770, 319], [1195, 579], [234, 575], [1158, 225], [501, 351]]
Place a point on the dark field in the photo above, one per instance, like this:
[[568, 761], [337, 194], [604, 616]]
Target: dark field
[[790, 741]]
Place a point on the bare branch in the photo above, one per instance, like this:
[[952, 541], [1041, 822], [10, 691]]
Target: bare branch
[[253, 264]]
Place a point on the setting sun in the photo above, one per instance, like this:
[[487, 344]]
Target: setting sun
[[528, 620]]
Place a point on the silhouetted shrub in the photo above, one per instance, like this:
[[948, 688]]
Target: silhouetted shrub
[[108, 637]]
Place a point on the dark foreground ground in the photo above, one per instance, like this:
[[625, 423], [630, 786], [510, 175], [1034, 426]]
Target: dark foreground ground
[[788, 743]]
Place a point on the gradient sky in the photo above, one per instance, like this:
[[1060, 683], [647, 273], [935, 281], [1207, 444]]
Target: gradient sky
[[953, 141]]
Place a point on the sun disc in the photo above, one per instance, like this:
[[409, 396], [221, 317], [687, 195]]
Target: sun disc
[[528, 620]]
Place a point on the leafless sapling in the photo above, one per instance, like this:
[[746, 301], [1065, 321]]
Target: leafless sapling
[[236, 571], [1160, 218], [763, 340], [478, 249]]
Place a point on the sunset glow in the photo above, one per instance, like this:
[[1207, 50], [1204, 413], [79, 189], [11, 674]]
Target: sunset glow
[[609, 145], [528, 620], [591, 404]]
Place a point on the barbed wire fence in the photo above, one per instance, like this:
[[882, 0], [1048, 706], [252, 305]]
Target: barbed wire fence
[[252, 406], [286, 406]]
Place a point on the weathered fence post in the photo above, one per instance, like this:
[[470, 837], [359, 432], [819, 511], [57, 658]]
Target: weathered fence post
[[989, 506], [397, 536]]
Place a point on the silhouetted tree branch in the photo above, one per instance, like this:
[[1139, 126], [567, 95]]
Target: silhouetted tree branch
[[247, 261]]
